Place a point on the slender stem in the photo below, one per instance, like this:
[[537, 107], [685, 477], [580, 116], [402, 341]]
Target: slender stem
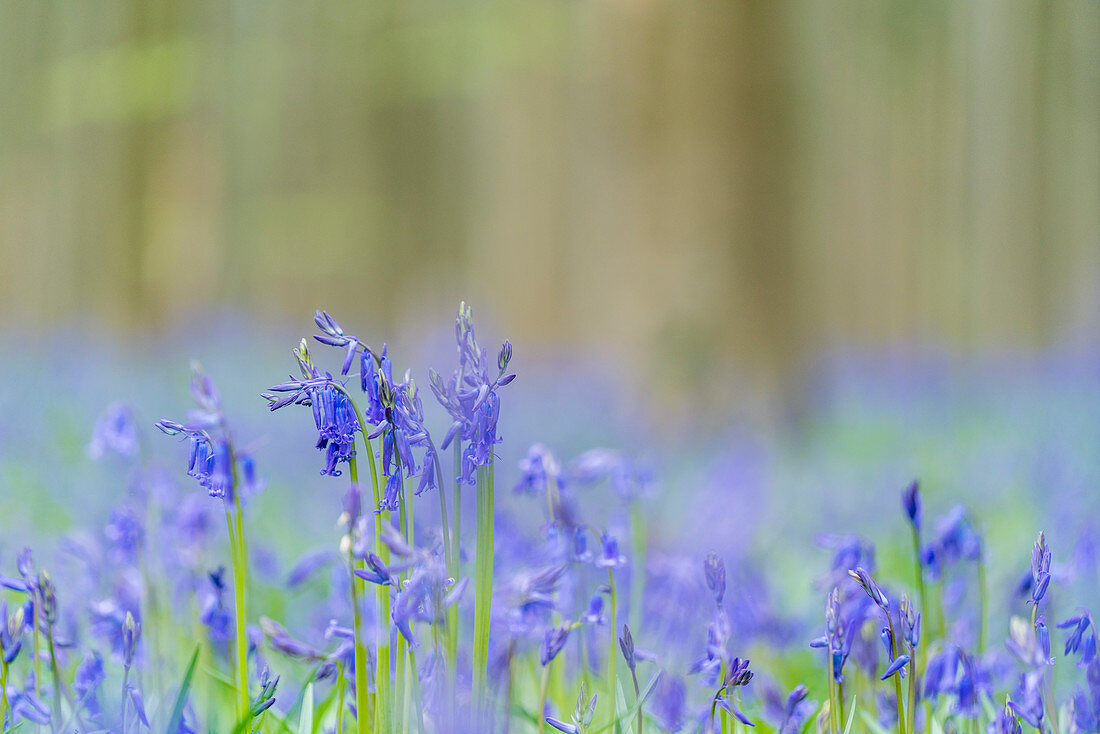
[[637, 698], [4, 692], [897, 677], [833, 705], [723, 715], [839, 704], [37, 666], [401, 685], [240, 583], [359, 648], [544, 688], [56, 678], [611, 680], [382, 706], [340, 699], [912, 710], [918, 571], [637, 569], [483, 579], [982, 602], [456, 556], [125, 681]]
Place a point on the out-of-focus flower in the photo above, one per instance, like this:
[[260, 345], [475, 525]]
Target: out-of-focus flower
[[115, 431]]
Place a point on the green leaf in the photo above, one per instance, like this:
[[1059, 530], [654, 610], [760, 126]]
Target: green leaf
[[305, 721], [620, 700], [635, 708], [851, 715], [869, 721], [181, 697]]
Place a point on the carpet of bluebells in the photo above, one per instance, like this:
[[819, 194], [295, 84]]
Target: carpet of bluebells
[[462, 584]]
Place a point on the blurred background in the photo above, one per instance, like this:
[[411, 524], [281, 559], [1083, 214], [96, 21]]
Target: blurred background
[[691, 190], [789, 254]]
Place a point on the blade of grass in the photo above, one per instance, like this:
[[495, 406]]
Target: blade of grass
[[851, 715], [305, 721], [181, 697]]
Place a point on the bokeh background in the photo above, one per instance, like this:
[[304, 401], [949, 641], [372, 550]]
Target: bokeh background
[[691, 189], [791, 253]]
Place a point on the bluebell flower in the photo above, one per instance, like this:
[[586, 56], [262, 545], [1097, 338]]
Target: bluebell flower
[[88, 678], [669, 702], [834, 639], [125, 535], [284, 643], [470, 397], [115, 431], [1086, 702], [266, 697], [1005, 722], [849, 551], [138, 703], [306, 567], [609, 557], [539, 471], [714, 569], [912, 504], [1040, 568], [1082, 637], [1029, 699], [593, 614], [1024, 643], [11, 632], [863, 578], [797, 711], [955, 540], [1042, 635], [131, 633], [899, 663], [553, 640], [627, 478], [214, 614], [583, 713], [626, 645], [210, 460], [25, 704]]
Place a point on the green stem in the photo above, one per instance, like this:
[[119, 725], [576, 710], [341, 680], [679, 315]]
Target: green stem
[[360, 650], [637, 698], [240, 582], [125, 681], [56, 678], [37, 666], [982, 602], [833, 705], [4, 691], [912, 710], [637, 574], [723, 715], [897, 676], [383, 700], [483, 580], [544, 689], [456, 557], [340, 698], [611, 653], [401, 693]]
